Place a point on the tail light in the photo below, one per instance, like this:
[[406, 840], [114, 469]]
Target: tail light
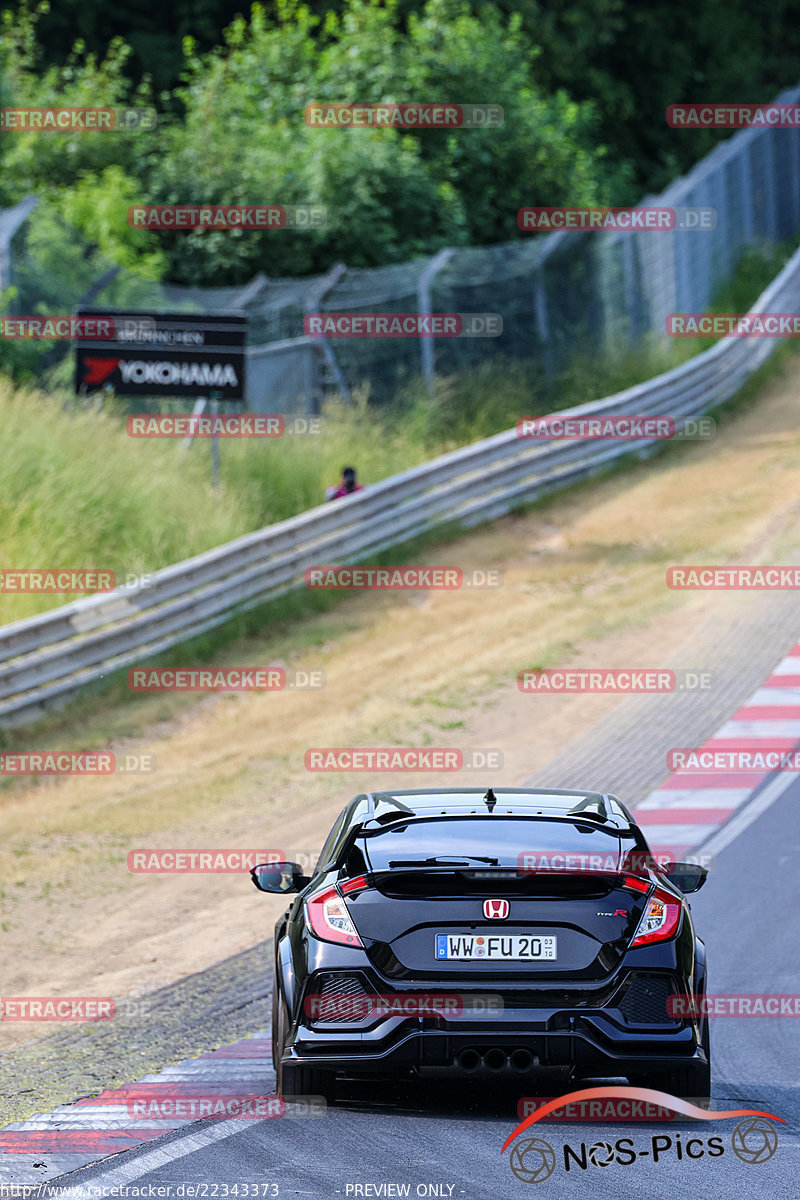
[[632, 883], [660, 919], [351, 887], [330, 920]]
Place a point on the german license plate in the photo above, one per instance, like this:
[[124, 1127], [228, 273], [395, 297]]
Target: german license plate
[[467, 947]]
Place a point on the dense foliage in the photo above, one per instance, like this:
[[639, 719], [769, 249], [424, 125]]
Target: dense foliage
[[239, 136], [584, 85], [631, 59]]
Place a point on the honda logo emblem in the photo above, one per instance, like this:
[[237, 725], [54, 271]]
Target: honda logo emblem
[[495, 910]]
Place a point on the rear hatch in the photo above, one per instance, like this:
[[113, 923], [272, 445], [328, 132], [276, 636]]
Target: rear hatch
[[526, 899]]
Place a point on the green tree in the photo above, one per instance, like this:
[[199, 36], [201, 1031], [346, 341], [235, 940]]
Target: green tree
[[34, 161], [390, 194]]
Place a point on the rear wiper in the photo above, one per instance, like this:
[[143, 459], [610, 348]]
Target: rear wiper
[[443, 862]]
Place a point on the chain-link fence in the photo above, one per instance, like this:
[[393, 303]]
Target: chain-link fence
[[559, 294]]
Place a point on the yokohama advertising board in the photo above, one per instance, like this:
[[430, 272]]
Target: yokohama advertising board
[[166, 354]]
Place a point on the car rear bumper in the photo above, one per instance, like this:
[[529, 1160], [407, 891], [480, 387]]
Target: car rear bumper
[[433, 1052], [618, 1026], [511, 1043]]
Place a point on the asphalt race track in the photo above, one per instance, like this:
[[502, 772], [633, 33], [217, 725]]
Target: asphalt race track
[[435, 1140], [444, 1140]]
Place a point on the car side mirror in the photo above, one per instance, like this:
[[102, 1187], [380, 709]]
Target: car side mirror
[[687, 877], [280, 877]]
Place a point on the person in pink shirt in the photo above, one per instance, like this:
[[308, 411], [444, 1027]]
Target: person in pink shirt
[[348, 484]]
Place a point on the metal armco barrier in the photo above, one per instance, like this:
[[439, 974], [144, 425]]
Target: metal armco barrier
[[47, 659]]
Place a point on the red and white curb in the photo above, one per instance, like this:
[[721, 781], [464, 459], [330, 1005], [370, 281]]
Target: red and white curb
[[690, 806], [73, 1135], [687, 810]]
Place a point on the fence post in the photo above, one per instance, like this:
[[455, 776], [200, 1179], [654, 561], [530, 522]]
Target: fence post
[[199, 407], [5, 264], [426, 347], [542, 318], [336, 370], [631, 286], [252, 289], [312, 304], [214, 407], [10, 221]]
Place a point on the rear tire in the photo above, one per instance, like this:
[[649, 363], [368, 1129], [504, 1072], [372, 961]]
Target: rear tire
[[290, 1080], [276, 1029], [694, 1080], [690, 1083], [305, 1081]]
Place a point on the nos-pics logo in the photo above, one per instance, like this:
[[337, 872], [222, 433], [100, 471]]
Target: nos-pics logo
[[754, 1140]]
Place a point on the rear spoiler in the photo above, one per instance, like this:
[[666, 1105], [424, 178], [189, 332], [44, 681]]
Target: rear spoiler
[[594, 809], [594, 806]]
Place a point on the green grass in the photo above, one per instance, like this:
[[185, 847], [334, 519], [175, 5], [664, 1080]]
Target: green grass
[[77, 492]]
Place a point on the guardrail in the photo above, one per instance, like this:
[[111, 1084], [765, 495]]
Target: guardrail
[[47, 659]]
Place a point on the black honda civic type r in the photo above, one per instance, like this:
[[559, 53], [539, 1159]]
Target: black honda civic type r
[[460, 932]]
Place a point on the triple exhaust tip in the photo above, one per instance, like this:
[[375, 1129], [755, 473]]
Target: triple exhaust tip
[[495, 1060]]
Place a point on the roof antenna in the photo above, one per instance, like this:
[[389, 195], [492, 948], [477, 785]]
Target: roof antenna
[[490, 799]]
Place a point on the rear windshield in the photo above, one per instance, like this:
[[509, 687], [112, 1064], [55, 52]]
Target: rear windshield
[[515, 842]]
